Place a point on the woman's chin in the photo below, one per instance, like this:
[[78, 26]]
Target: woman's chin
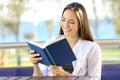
[[67, 35]]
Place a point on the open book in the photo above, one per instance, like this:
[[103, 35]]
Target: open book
[[55, 52]]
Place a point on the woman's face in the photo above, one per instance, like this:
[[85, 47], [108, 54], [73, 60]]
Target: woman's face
[[69, 24]]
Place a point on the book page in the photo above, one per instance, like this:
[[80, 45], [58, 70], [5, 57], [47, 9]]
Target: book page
[[50, 41], [53, 40], [37, 44]]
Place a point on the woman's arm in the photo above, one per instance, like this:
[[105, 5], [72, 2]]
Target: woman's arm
[[37, 71], [95, 63], [59, 71], [35, 59]]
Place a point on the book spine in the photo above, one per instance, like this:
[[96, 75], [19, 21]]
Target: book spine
[[50, 57]]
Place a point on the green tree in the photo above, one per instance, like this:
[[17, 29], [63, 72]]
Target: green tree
[[16, 8], [116, 11], [50, 25], [96, 22], [5, 23], [29, 36], [11, 19]]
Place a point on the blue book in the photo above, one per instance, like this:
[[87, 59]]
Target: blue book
[[56, 52]]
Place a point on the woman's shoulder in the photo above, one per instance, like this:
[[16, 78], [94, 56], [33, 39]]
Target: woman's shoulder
[[92, 46], [90, 43]]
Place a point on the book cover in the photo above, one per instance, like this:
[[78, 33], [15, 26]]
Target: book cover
[[40, 50], [58, 52]]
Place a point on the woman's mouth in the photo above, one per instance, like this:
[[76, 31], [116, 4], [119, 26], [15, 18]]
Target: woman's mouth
[[67, 30]]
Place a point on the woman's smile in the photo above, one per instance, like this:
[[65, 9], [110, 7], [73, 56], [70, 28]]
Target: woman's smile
[[67, 30]]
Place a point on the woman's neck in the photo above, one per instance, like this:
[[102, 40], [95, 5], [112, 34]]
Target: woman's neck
[[72, 41]]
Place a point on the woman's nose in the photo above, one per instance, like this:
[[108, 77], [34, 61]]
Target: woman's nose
[[66, 25]]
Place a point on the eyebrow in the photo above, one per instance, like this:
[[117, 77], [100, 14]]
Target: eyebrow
[[69, 19]]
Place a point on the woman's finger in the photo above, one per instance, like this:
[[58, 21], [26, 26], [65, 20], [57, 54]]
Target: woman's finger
[[32, 51], [34, 55], [35, 60]]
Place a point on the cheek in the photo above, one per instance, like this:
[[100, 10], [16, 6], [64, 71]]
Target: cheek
[[77, 29], [61, 25]]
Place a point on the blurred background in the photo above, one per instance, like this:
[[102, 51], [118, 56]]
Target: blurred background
[[38, 20]]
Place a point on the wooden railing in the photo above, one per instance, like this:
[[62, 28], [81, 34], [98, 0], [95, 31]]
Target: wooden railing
[[107, 74], [24, 45], [110, 42]]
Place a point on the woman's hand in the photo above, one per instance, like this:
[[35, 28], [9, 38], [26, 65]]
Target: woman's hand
[[59, 71], [34, 57]]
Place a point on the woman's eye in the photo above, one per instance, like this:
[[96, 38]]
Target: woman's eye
[[72, 22], [62, 20]]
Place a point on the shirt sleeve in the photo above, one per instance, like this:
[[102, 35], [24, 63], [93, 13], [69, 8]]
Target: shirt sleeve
[[95, 63], [45, 70]]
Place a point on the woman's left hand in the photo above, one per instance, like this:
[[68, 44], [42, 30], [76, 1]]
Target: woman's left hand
[[59, 71]]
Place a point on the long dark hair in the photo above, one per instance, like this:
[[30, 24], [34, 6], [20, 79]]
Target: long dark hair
[[84, 30]]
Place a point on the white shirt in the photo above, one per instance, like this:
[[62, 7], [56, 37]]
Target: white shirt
[[88, 61]]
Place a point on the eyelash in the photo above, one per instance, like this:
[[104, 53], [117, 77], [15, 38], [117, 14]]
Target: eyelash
[[72, 22], [62, 20], [69, 22]]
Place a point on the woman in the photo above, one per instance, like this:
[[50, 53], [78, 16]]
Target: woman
[[74, 26]]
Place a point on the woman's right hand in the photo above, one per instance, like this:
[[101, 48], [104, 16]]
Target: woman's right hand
[[34, 57]]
